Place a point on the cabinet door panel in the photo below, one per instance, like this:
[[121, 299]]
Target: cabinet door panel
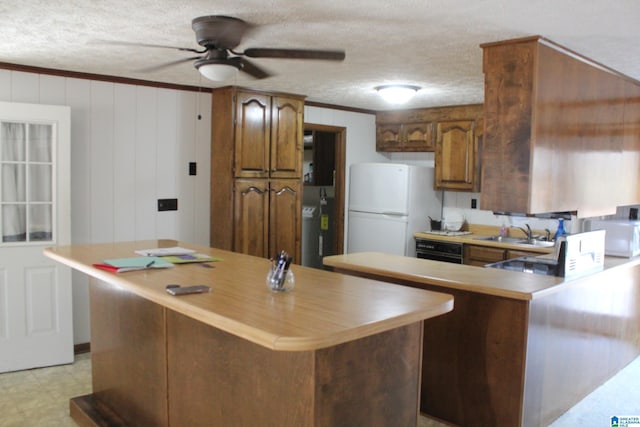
[[286, 138], [251, 217], [418, 137], [517, 254], [455, 155], [284, 217], [481, 255], [252, 135], [388, 136]]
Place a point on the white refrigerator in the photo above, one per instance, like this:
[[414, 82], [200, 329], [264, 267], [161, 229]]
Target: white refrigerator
[[388, 203]]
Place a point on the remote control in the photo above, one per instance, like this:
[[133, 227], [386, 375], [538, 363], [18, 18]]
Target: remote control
[[196, 289]]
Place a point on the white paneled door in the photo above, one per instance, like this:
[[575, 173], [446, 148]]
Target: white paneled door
[[35, 292]]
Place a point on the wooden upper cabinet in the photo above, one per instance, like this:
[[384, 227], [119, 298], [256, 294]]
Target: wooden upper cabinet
[[286, 137], [388, 136], [455, 157], [252, 134], [410, 137], [268, 136], [415, 130], [418, 136], [561, 131]]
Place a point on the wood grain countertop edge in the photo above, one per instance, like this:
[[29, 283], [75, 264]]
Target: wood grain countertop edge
[[442, 304]]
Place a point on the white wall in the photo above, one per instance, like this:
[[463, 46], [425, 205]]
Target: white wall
[[130, 145], [460, 202]]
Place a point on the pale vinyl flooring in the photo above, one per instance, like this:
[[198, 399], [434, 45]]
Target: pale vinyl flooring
[[40, 397]]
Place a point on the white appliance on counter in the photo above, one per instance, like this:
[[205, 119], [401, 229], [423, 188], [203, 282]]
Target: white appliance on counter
[[622, 236], [388, 203]]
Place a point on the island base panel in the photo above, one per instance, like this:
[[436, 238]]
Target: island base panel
[[86, 412], [226, 380], [128, 355]]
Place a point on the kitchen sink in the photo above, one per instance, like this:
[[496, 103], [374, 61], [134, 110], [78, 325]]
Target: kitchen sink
[[516, 241], [541, 243], [501, 239]]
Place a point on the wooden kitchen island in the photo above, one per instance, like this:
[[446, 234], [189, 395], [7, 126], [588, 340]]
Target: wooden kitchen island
[[519, 349], [336, 351]]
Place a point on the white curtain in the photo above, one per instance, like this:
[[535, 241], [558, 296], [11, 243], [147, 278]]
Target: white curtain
[[26, 215], [40, 182], [14, 225]]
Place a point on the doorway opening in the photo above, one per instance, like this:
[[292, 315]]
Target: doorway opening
[[323, 193]]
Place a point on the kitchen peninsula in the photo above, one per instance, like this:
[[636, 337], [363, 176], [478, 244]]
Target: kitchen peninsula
[[337, 350], [519, 349]]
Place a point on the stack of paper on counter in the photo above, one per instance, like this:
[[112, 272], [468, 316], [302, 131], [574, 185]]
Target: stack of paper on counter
[[177, 255], [120, 265], [187, 258]]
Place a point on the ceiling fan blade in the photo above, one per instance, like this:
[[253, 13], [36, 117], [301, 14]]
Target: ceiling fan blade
[[166, 65], [329, 55], [123, 43], [250, 68]]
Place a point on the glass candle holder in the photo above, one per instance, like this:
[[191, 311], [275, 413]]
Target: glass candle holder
[[279, 281]]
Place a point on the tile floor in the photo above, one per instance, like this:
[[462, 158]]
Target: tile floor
[[40, 397]]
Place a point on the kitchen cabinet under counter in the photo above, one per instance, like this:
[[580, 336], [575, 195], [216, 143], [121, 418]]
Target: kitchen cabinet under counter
[[501, 356], [241, 355], [480, 250]]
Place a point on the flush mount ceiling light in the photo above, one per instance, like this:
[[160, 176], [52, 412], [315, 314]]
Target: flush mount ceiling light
[[216, 71], [397, 94]]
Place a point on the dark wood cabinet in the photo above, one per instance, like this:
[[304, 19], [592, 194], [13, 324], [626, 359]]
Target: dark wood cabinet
[[455, 157], [561, 134], [454, 133], [416, 136], [267, 136], [256, 172], [267, 216], [479, 255]]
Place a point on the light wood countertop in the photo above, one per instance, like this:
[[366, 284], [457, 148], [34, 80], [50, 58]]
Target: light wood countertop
[[472, 239], [490, 281], [323, 310]]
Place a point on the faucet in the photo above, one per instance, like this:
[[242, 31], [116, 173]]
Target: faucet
[[527, 233]]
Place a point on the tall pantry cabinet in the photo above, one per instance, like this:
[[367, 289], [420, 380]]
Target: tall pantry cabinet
[[256, 172]]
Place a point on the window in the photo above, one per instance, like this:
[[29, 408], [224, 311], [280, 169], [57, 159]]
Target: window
[[27, 187]]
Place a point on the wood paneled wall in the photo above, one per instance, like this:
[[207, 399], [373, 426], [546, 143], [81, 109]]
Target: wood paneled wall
[[130, 145]]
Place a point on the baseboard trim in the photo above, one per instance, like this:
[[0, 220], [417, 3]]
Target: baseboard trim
[[82, 348]]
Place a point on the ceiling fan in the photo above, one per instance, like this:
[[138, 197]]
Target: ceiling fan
[[219, 35]]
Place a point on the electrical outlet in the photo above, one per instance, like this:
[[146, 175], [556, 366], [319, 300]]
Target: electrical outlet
[[474, 203], [192, 168], [167, 205]]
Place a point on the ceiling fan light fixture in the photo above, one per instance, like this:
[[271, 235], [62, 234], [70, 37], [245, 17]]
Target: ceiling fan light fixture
[[397, 94], [217, 72]]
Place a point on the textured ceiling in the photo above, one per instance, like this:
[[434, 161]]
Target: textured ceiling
[[430, 43]]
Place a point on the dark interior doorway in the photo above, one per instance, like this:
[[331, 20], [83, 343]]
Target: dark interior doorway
[[323, 195]]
